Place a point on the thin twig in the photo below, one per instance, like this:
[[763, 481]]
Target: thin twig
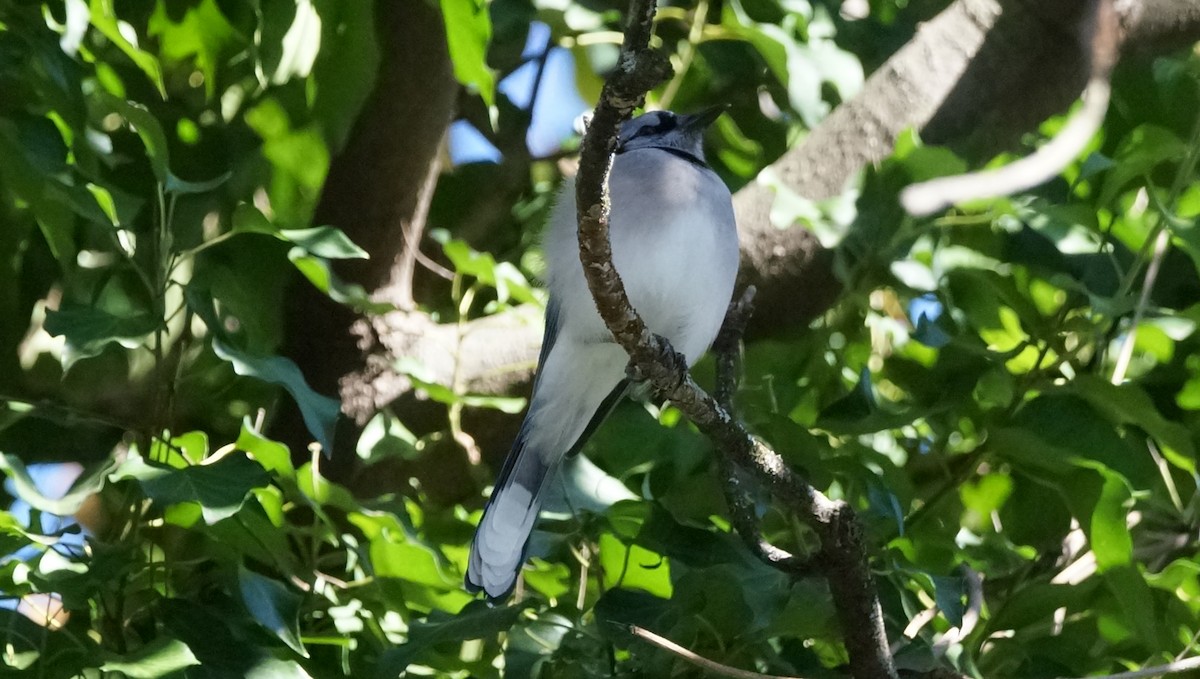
[[1126, 355], [697, 659], [727, 346], [741, 507]]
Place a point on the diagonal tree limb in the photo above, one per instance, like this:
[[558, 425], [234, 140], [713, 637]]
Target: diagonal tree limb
[[842, 550], [932, 196]]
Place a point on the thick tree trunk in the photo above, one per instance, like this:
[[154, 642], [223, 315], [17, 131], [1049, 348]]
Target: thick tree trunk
[[377, 192]]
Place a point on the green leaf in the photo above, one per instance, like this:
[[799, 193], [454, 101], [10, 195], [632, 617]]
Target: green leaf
[[274, 606], [394, 556], [470, 262], [88, 330], [183, 450], [476, 620], [248, 218], [105, 201], [1136, 603], [274, 457], [320, 413], [68, 504], [104, 18], [219, 486], [1060, 432], [148, 128], [182, 187], [318, 272], [632, 566], [950, 594], [301, 44], [984, 496], [503, 276], [1128, 404], [1110, 538], [468, 32], [202, 35], [159, 658], [802, 67], [385, 436], [324, 241], [274, 668], [505, 404], [1143, 149]]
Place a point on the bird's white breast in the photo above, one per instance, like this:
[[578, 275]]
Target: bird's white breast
[[674, 244]]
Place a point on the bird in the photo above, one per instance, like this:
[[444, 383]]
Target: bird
[[674, 244]]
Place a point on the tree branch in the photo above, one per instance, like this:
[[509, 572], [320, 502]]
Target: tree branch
[[842, 551], [926, 198], [741, 507], [697, 659]]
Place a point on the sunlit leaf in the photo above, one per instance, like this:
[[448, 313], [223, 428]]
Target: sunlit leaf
[[301, 44], [468, 32], [1109, 532], [324, 241], [105, 19], [159, 658]]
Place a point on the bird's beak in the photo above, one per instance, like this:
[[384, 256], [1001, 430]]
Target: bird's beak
[[701, 120]]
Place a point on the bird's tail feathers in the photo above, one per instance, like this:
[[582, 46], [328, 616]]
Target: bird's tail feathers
[[502, 538]]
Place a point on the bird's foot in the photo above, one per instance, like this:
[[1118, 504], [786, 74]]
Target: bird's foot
[[669, 370]]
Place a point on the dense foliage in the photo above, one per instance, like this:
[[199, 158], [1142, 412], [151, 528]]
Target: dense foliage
[[1008, 393]]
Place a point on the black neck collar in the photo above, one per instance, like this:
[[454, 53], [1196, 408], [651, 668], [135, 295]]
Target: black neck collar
[[678, 152]]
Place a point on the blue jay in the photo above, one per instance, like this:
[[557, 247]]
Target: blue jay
[[675, 246]]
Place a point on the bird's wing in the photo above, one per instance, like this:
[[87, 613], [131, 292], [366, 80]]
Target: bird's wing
[[606, 407]]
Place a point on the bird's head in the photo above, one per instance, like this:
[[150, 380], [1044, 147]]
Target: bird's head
[[667, 130]]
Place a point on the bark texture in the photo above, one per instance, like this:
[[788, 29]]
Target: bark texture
[[377, 192]]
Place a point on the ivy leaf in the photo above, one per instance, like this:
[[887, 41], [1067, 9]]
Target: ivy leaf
[[320, 413], [88, 330], [273, 606], [324, 241], [159, 658], [25, 488], [219, 486], [633, 566], [475, 621]]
